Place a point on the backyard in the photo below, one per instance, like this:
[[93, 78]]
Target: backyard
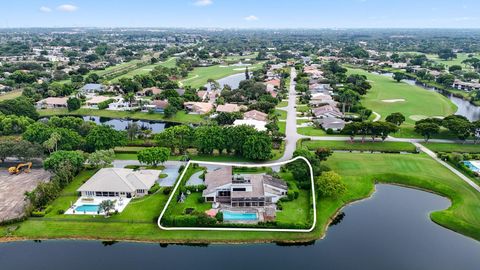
[[359, 171]]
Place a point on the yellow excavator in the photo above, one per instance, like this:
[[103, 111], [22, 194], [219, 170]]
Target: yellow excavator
[[18, 169]]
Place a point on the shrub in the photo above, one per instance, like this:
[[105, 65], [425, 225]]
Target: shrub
[[181, 168], [154, 188], [61, 211], [167, 190], [329, 131], [104, 104], [219, 217]]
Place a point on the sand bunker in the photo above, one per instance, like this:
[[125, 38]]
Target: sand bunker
[[393, 100]]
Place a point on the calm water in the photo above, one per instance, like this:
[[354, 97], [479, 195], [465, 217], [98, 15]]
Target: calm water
[[121, 124], [233, 81], [391, 230]]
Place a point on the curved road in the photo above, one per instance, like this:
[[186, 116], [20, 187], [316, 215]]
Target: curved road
[[292, 136]]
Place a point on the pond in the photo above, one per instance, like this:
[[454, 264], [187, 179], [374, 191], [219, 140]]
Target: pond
[[233, 81], [392, 230], [121, 124]]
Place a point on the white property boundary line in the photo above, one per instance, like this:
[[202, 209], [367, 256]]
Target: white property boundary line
[[240, 229]]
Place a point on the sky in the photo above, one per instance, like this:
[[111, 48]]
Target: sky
[[241, 13]]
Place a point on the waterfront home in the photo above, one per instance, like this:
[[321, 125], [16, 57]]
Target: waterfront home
[[91, 88], [335, 124], [52, 103], [157, 106], [258, 125], [198, 107], [327, 111], [255, 115], [249, 190], [119, 182], [228, 108], [95, 100], [120, 105], [466, 86]]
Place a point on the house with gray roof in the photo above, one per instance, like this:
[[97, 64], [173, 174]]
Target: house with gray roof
[[246, 190], [119, 182], [91, 88]]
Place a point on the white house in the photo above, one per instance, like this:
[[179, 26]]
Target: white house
[[258, 125], [119, 182], [243, 190]]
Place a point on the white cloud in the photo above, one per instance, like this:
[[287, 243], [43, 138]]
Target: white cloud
[[202, 3], [67, 8], [45, 9], [251, 18]]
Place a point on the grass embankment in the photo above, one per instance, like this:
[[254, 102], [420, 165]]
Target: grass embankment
[[359, 171], [453, 147], [199, 76], [179, 117], [378, 146], [387, 96], [11, 95]]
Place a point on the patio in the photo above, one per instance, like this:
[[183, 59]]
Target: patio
[[89, 205]]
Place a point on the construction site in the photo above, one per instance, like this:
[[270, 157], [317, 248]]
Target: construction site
[[14, 182]]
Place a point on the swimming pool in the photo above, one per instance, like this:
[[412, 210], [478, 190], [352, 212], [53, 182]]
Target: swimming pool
[[90, 208], [471, 166], [239, 216]]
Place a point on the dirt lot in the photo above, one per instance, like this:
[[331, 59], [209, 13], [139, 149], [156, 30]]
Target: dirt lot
[[12, 191]]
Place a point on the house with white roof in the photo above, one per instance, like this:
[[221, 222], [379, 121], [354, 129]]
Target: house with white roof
[[258, 125], [119, 182]]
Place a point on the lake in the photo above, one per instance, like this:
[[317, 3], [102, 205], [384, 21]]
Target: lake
[[121, 124], [392, 230], [233, 81]]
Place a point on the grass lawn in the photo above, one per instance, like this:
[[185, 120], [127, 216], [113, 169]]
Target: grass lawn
[[418, 103], [240, 57], [359, 146], [453, 147], [407, 131], [192, 201], [11, 95], [283, 103], [359, 172], [456, 61], [303, 108], [281, 114], [297, 210], [180, 117], [199, 76], [311, 131], [170, 62], [301, 121], [282, 126]]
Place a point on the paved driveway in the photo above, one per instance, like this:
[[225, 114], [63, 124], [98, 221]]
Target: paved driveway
[[172, 171], [195, 179]]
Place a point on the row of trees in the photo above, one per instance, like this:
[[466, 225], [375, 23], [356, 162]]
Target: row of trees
[[242, 140], [458, 125], [373, 129], [72, 133]]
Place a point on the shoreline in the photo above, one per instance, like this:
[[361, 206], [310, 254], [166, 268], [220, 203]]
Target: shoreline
[[11, 239]]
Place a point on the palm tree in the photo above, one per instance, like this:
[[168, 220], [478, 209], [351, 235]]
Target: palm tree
[[129, 98]]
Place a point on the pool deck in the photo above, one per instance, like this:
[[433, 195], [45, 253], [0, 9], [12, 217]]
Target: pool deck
[[119, 206]]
